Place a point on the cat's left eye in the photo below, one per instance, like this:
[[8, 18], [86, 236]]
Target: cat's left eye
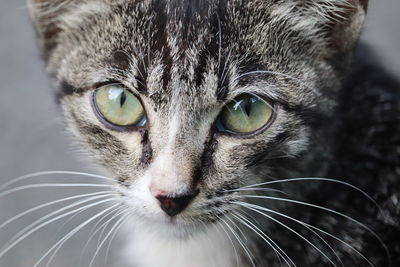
[[245, 115], [118, 106]]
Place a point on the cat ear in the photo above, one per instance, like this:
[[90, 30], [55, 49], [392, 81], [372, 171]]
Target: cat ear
[[45, 15], [345, 21]]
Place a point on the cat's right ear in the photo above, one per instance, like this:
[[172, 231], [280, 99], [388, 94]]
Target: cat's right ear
[[45, 15]]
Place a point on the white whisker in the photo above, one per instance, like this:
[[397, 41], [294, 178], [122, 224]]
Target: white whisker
[[251, 217], [57, 246], [246, 205], [319, 180], [240, 242], [115, 213], [105, 239], [46, 173], [77, 203], [230, 239], [257, 189], [104, 226], [32, 186], [266, 239], [237, 227], [47, 205], [317, 229], [8, 247], [113, 236], [38, 223], [328, 210]]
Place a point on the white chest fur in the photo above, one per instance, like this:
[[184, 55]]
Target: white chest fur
[[211, 248]]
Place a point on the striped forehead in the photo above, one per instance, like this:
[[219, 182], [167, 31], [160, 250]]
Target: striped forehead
[[173, 48], [170, 53]]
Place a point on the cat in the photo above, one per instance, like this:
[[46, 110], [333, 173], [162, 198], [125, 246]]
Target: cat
[[218, 120]]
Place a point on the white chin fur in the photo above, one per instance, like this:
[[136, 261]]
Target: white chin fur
[[150, 246]]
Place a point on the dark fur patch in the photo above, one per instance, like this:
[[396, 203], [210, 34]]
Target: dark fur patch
[[147, 153], [120, 60], [65, 90]]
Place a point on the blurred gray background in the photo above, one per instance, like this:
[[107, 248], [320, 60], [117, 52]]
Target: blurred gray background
[[32, 138]]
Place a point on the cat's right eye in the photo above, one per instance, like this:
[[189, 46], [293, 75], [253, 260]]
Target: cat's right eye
[[118, 106]]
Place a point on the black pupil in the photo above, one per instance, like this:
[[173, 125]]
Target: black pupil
[[247, 106], [123, 99]]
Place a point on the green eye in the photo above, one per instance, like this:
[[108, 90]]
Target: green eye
[[119, 106], [245, 114]]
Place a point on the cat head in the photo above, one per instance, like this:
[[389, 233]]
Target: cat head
[[184, 102]]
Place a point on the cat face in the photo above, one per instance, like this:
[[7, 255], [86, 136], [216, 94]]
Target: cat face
[[184, 102]]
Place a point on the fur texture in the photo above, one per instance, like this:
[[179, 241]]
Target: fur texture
[[186, 60]]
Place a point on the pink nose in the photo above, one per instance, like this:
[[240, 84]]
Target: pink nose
[[176, 204]]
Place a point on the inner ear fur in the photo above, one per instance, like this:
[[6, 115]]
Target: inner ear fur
[[344, 29]]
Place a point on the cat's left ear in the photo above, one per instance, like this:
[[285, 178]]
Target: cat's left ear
[[346, 18], [45, 15]]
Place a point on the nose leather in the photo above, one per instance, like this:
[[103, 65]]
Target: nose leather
[[175, 205]]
